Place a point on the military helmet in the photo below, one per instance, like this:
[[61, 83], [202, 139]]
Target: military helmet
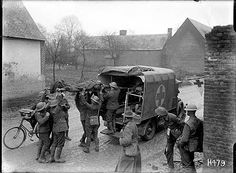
[[95, 99], [191, 107], [113, 85], [161, 111], [40, 106]]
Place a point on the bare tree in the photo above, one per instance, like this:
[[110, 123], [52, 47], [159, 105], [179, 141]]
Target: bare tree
[[53, 45], [68, 27], [81, 43], [114, 44], [42, 29]]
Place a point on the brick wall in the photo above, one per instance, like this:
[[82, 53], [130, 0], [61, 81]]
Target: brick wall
[[219, 99], [42, 54]]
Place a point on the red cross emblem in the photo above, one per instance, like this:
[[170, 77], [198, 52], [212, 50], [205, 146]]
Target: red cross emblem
[[160, 95]]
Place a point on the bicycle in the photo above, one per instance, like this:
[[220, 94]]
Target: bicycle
[[15, 136]]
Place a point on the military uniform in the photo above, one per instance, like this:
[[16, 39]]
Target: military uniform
[[83, 111], [60, 126], [188, 143], [65, 107], [112, 105], [130, 161], [174, 128], [44, 131], [92, 110]]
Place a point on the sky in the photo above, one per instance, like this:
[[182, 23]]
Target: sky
[[137, 17]]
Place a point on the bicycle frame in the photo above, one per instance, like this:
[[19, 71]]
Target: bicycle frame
[[30, 133]]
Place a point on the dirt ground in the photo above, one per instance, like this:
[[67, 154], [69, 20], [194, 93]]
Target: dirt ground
[[153, 159]]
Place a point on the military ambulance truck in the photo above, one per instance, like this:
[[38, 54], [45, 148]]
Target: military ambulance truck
[[143, 89]]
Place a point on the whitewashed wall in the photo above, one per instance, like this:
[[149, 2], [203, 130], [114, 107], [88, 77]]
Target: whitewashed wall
[[25, 77]]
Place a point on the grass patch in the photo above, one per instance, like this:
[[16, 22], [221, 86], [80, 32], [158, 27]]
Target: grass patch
[[69, 74]]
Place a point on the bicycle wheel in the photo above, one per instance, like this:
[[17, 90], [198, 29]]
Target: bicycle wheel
[[14, 138]]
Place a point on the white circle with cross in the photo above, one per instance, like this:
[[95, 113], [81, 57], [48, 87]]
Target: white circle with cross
[[160, 95]]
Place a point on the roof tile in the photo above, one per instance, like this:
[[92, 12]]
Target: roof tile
[[18, 22]]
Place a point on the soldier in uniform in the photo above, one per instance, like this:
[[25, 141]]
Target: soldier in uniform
[[112, 104], [44, 131], [43, 97], [130, 160], [61, 96], [191, 139], [59, 129], [83, 111], [91, 127], [174, 128]]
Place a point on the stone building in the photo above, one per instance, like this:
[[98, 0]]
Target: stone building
[[141, 50], [23, 52], [186, 49], [144, 50]]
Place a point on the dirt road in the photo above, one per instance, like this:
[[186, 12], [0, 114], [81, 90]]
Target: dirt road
[[153, 159]]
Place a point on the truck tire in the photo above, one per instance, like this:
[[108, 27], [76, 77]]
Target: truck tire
[[150, 130]]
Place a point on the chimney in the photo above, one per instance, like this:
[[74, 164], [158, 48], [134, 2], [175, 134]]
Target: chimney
[[169, 32], [123, 32]]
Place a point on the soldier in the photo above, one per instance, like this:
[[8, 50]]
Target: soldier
[[191, 139], [44, 131], [59, 129], [61, 97], [92, 122], [130, 160], [112, 104], [174, 129], [83, 111], [43, 97]]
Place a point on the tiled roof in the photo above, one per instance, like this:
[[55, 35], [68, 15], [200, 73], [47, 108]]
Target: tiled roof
[[139, 42], [147, 42], [203, 29], [18, 22]]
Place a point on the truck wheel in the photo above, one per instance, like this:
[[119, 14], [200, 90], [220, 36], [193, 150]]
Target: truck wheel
[[150, 129]]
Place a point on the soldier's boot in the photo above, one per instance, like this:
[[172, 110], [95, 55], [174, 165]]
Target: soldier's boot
[[86, 150], [42, 158], [66, 136], [82, 144], [97, 148], [52, 153], [38, 151], [82, 141], [58, 155], [96, 145]]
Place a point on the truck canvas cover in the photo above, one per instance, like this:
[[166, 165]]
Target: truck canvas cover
[[157, 82]]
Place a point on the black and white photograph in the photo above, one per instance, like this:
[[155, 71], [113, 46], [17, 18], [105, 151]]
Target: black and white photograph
[[118, 86]]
